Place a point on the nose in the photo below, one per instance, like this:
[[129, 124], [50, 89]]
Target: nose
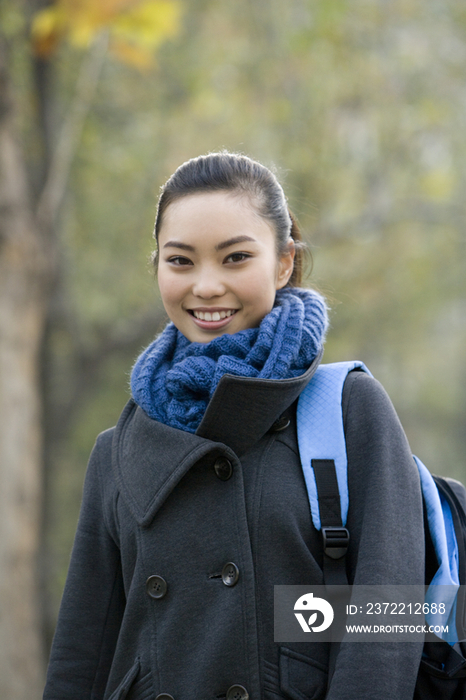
[[208, 284]]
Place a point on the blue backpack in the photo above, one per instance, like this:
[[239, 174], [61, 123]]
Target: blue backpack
[[322, 449]]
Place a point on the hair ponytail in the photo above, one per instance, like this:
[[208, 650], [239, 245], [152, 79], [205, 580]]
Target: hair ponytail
[[301, 252]]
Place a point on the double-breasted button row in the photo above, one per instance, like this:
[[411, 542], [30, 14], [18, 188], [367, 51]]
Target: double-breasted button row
[[223, 468], [156, 587]]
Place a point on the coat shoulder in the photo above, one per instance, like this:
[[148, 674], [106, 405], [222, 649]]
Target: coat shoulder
[[101, 456], [366, 401]]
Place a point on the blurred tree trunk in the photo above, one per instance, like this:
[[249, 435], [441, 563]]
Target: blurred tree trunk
[[26, 263], [29, 260], [29, 270]]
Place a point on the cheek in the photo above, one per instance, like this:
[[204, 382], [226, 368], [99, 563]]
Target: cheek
[[259, 290], [169, 289]]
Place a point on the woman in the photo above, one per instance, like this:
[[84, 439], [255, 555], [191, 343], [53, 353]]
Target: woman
[[195, 504]]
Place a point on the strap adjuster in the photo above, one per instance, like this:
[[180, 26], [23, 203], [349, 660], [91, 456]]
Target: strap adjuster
[[336, 541]]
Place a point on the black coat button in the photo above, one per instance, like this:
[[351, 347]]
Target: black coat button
[[223, 468], [281, 423], [156, 587], [230, 574], [164, 696], [237, 692]]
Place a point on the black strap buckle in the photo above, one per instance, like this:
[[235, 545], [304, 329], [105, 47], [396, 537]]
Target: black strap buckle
[[336, 541]]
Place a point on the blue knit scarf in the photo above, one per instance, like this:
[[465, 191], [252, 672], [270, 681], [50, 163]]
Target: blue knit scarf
[[174, 379]]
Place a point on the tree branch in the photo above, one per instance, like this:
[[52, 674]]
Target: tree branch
[[54, 189]]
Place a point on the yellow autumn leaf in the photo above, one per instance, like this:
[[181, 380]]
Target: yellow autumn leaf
[[149, 23], [78, 20], [44, 22], [137, 26], [45, 31]]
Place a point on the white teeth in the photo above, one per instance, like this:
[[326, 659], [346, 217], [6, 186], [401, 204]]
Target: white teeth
[[215, 316]]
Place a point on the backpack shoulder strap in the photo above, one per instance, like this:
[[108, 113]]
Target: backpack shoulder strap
[[322, 449], [321, 440]]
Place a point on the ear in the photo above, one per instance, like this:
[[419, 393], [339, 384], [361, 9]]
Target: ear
[[285, 265]]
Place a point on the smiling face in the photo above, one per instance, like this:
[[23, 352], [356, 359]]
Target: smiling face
[[218, 267]]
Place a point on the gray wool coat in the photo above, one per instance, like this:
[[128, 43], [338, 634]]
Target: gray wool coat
[[182, 537]]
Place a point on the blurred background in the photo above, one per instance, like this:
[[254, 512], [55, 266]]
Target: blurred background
[[359, 105]]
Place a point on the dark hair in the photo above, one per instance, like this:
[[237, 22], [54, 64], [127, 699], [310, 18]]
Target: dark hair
[[233, 172]]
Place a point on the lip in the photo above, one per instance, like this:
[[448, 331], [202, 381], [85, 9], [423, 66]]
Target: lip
[[212, 325]]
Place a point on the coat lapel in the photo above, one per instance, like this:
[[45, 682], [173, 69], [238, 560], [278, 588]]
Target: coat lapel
[[149, 458]]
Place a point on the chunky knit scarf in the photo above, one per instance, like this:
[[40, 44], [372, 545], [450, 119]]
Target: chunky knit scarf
[[174, 379]]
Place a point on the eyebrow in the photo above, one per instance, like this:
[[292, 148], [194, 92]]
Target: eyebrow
[[178, 244], [220, 246]]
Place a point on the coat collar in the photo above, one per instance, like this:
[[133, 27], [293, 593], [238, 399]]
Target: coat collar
[[243, 409], [149, 458]]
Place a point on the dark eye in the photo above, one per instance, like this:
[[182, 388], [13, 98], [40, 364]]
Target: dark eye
[[179, 260], [237, 257]]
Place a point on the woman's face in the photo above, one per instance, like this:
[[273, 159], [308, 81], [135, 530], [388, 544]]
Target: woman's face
[[218, 268]]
